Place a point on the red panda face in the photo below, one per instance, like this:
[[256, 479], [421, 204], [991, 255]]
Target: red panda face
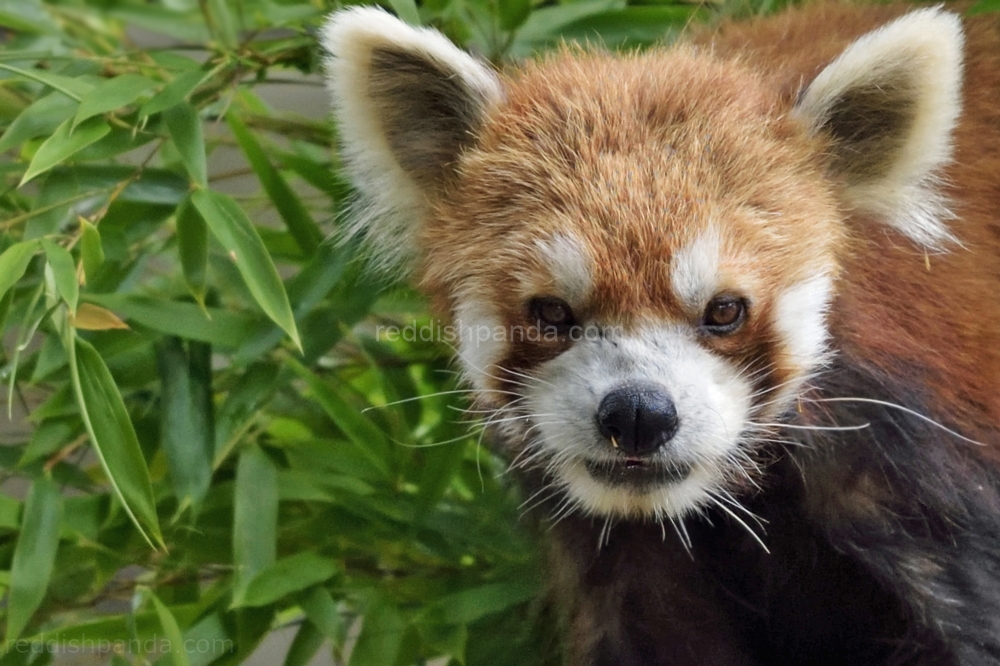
[[669, 228], [637, 253]]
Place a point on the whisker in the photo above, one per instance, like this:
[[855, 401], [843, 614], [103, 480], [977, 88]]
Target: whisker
[[686, 538], [526, 376], [726, 497], [903, 409], [433, 444], [433, 395], [605, 535], [716, 502], [810, 427]]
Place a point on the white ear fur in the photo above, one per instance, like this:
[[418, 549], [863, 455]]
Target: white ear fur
[[891, 101], [393, 198]]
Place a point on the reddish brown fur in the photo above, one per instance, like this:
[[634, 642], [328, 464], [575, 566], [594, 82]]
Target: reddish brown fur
[[614, 150], [634, 156], [905, 307], [884, 542]]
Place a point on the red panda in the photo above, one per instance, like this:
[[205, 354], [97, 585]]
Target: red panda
[[749, 369]]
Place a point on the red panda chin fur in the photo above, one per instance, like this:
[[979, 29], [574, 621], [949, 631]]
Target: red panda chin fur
[[856, 521]]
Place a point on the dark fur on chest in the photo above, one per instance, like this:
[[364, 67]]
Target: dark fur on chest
[[884, 549]]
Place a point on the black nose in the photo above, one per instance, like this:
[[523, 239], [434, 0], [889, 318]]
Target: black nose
[[637, 418]]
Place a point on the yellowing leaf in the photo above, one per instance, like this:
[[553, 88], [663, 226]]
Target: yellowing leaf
[[91, 317]]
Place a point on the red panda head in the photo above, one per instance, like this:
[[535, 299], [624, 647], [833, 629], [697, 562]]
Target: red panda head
[[638, 253]]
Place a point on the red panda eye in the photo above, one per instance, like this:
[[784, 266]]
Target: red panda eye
[[550, 311], [724, 315]]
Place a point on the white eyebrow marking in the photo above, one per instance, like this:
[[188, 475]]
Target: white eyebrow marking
[[569, 263], [800, 318], [694, 269]]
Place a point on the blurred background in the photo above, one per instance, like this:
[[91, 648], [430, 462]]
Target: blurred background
[[207, 454]]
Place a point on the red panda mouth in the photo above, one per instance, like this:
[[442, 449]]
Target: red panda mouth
[[638, 473]]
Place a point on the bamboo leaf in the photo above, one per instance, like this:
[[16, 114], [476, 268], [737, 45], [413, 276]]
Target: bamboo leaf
[[112, 94], [111, 432], [470, 605], [291, 574], [91, 317], [406, 10], [192, 245], [185, 129], [26, 16], [63, 271], [187, 432], [172, 632], [173, 93], [513, 13], [357, 428], [72, 88], [381, 635], [41, 117], [223, 22], [224, 328], [236, 233], [255, 521], [322, 611], [307, 642], [295, 215], [14, 262], [34, 554], [91, 249], [63, 144]]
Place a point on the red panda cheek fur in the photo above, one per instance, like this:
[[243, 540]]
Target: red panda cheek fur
[[866, 527]]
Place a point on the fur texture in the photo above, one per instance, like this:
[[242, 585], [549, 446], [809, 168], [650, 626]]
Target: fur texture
[[779, 242]]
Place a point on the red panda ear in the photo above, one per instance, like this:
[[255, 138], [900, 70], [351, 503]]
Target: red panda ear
[[890, 103], [406, 102]]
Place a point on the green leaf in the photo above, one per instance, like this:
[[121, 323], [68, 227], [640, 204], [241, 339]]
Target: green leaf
[[72, 88], [42, 117], [161, 19], [91, 249], [185, 129], [406, 10], [322, 611], [244, 401], [63, 271], [358, 429], [187, 433], [983, 7], [224, 328], [173, 93], [631, 26], [112, 94], [255, 520], [441, 462], [291, 574], [381, 635], [10, 513], [14, 262], [26, 16], [63, 144], [470, 605], [34, 554], [171, 631], [236, 233], [111, 432], [446, 639], [192, 245], [544, 26], [307, 642], [300, 223], [223, 22], [513, 13]]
